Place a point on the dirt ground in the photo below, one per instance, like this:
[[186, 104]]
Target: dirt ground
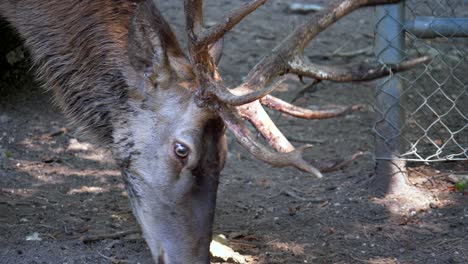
[[56, 187]]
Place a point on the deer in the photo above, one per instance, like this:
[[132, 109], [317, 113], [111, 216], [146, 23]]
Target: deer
[[117, 70]]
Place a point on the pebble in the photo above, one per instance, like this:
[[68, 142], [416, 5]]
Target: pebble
[[4, 119]]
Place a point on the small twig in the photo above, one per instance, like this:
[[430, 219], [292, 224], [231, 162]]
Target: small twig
[[329, 166], [21, 203], [306, 141], [310, 88], [358, 259], [300, 198], [241, 206], [365, 50], [112, 244], [51, 236], [346, 43], [92, 238], [65, 163], [431, 181], [112, 259], [451, 241], [48, 226], [58, 132], [243, 243]]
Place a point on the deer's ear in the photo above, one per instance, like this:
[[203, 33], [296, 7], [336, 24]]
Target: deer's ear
[[216, 50], [148, 49]]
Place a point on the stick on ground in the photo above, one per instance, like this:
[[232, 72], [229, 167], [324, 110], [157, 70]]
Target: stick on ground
[[91, 238]]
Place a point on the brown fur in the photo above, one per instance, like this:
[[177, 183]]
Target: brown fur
[[79, 49]]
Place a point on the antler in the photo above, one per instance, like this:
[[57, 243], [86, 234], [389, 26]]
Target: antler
[[244, 101]]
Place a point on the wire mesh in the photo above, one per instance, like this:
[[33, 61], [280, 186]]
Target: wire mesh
[[432, 100]]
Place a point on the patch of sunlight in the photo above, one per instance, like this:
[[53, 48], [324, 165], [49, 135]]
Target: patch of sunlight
[[378, 260], [221, 252], [92, 172], [57, 150], [31, 144], [97, 156], [23, 192], [297, 249], [381, 261], [87, 189], [46, 179], [35, 168], [411, 200], [122, 217], [90, 152], [74, 144]]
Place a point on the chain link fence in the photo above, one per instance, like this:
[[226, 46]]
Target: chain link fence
[[423, 113]]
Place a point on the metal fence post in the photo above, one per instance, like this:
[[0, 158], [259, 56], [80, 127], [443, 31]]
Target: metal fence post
[[389, 49]]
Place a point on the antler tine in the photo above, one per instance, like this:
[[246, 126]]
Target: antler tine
[[194, 23], [303, 34], [245, 138], [200, 39], [286, 57], [245, 94], [203, 65], [296, 111], [216, 32], [259, 118], [293, 45], [299, 66], [351, 73], [194, 15]]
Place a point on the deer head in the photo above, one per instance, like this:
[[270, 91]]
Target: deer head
[[171, 144], [171, 151]]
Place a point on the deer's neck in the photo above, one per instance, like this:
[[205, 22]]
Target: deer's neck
[[79, 51]]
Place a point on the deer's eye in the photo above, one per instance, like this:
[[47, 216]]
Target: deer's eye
[[181, 150]]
